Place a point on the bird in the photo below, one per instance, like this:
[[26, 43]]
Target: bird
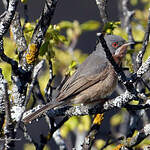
[[93, 81]]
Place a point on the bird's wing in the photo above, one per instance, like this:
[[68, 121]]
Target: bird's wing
[[84, 77], [94, 64]]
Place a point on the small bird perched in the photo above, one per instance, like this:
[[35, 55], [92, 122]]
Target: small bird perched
[[93, 81]]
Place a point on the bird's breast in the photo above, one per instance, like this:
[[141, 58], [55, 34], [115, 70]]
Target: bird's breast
[[107, 86], [101, 89]]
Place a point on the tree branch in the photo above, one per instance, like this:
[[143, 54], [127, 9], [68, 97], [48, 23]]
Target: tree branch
[[144, 45], [9, 14], [39, 32], [17, 33], [8, 129], [102, 4]]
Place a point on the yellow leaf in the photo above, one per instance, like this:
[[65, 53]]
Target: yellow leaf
[[64, 130], [116, 119], [85, 121], [29, 147], [100, 143]]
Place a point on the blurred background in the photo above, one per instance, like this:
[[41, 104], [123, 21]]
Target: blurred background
[[82, 11]]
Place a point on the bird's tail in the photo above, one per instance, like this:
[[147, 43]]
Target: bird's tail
[[40, 111]]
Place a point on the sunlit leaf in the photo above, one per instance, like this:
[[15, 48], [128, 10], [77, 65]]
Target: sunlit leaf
[[85, 123], [134, 2], [90, 25], [71, 124], [29, 147], [100, 143], [44, 48], [62, 38], [116, 119], [28, 27], [110, 26], [24, 1], [65, 24]]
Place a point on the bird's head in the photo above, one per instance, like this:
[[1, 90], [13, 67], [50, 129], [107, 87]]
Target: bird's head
[[117, 46], [113, 43], [121, 52]]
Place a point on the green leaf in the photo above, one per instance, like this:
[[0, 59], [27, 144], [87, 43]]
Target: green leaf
[[62, 38], [110, 26], [65, 24], [72, 67], [52, 53], [24, 1], [116, 119], [134, 2], [28, 27], [44, 48], [90, 25]]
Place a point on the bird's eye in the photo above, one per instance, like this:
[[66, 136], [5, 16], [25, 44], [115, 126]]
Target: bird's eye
[[115, 44]]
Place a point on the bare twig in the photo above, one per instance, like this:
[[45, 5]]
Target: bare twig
[[127, 19], [102, 4], [17, 34], [48, 89], [2, 93], [143, 69], [144, 45], [109, 142], [36, 71], [126, 22], [59, 140], [8, 130], [37, 93], [6, 20], [2, 106], [7, 104], [40, 30], [91, 136], [35, 74], [140, 136]]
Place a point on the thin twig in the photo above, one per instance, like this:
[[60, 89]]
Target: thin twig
[[59, 140], [144, 45], [35, 74], [48, 89], [37, 93], [6, 20], [40, 30], [126, 23], [91, 136], [102, 4], [8, 130], [140, 136], [17, 33]]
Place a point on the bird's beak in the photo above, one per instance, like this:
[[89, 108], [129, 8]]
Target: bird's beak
[[121, 51]]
